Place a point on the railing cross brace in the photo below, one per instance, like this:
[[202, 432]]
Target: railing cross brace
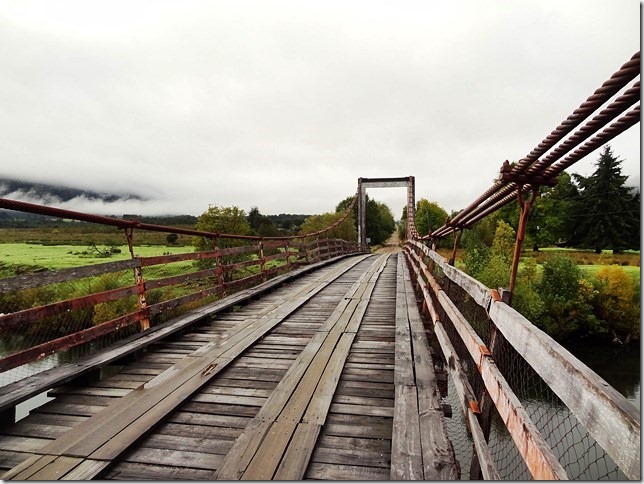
[[525, 206]]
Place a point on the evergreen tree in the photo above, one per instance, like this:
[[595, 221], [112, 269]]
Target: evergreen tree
[[604, 218]]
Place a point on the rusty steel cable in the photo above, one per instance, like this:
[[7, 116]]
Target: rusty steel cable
[[501, 192], [617, 107], [629, 71], [509, 192], [622, 124]]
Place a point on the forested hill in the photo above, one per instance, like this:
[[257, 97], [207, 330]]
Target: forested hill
[[47, 193], [54, 195]]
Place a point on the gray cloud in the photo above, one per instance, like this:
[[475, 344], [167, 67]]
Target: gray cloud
[[284, 104]]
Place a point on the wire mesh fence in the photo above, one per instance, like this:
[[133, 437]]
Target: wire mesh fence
[[579, 454]]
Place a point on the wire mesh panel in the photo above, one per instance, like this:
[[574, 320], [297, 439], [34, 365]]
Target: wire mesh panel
[[37, 317], [571, 443]]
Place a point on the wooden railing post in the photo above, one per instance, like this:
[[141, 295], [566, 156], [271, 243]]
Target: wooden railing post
[[221, 280], [262, 260], [288, 255], [138, 279]]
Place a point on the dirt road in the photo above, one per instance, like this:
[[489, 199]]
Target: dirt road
[[392, 245]]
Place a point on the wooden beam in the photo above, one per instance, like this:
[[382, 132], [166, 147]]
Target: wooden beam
[[611, 419]]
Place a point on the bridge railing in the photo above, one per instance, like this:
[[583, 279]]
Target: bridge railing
[[532, 409], [55, 317]]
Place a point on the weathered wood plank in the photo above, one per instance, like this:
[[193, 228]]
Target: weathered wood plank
[[257, 454], [610, 418], [406, 452], [174, 458], [134, 471], [337, 472], [293, 464], [357, 457]]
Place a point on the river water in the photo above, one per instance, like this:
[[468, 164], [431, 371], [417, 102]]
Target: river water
[[619, 366]]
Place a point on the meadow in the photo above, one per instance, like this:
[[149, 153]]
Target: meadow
[[587, 260]]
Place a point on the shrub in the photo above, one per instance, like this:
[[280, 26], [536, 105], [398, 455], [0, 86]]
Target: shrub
[[567, 299], [617, 303]]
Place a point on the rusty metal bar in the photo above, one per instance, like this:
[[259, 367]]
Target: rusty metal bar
[[138, 279], [524, 206], [39, 279], [66, 342], [496, 196], [28, 316], [629, 71]]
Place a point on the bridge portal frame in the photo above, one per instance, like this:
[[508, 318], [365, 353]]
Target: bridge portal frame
[[364, 183]]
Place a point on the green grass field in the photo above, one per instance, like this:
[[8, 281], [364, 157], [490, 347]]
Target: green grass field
[[54, 257]]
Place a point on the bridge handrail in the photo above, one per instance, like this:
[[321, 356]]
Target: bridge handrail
[[19, 391], [21, 206], [213, 278], [608, 416]]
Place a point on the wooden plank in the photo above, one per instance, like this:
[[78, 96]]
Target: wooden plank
[[611, 419], [406, 452], [58, 468], [190, 418], [359, 457], [382, 446], [257, 454], [321, 399], [188, 443], [293, 465], [134, 471], [28, 467], [361, 410], [268, 456], [485, 459], [337, 472], [174, 458], [439, 461], [85, 470]]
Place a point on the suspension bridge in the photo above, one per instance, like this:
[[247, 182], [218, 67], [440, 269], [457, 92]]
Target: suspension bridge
[[307, 357]]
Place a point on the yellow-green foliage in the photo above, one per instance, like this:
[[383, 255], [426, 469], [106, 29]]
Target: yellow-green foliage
[[616, 302], [346, 230]]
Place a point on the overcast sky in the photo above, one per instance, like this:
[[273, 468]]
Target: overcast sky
[[284, 104]]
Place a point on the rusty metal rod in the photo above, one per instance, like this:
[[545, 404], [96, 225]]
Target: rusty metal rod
[[503, 196], [629, 71], [617, 107], [501, 188]]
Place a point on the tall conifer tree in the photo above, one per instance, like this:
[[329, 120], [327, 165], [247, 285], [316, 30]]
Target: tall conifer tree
[[604, 217]]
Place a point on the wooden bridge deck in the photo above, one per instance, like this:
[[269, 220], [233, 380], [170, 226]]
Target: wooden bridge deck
[[327, 377]]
